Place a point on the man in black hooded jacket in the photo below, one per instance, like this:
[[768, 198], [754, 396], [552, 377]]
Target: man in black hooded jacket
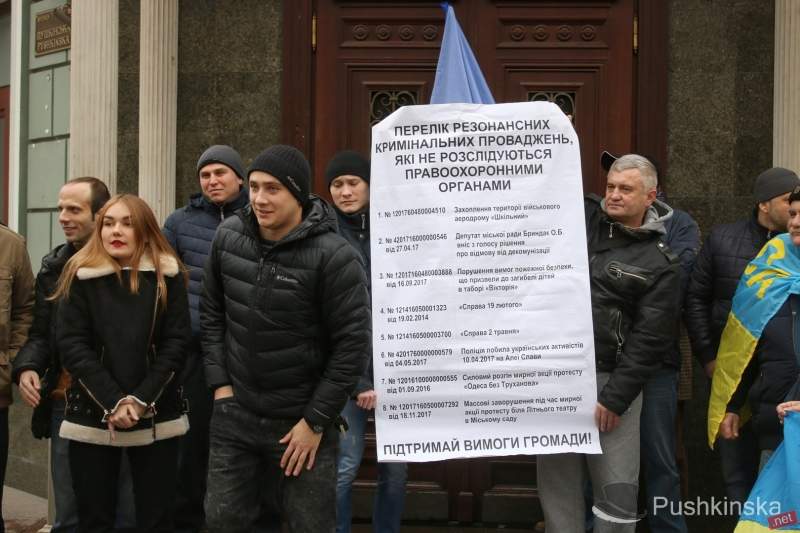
[[286, 326]]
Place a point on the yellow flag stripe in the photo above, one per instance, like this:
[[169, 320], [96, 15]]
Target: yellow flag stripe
[[735, 351], [746, 526]]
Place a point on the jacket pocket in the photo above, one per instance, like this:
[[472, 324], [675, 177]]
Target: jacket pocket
[[628, 279]]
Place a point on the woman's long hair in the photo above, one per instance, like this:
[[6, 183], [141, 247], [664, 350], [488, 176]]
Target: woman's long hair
[[149, 242]]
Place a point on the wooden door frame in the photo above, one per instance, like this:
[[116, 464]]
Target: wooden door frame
[[650, 128], [5, 113]]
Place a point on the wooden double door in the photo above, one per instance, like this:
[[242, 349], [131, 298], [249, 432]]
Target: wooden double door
[[349, 64]]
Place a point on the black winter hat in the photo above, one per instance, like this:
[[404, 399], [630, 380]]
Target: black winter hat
[[774, 182], [220, 153], [289, 166], [345, 163]]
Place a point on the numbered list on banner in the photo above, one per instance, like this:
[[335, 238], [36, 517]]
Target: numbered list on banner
[[482, 329]]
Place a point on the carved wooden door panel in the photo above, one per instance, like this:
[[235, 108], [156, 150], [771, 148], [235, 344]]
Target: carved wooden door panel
[[368, 58]]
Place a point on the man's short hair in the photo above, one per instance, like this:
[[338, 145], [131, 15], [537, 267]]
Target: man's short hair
[[635, 161], [99, 192]]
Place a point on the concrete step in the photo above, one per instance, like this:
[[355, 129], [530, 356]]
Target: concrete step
[[23, 512]]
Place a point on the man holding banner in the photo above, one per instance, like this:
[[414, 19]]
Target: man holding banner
[[635, 289]]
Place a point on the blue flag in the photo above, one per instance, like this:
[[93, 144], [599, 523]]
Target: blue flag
[[459, 79], [774, 503]]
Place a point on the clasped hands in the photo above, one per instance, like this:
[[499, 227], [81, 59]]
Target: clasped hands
[[126, 415]]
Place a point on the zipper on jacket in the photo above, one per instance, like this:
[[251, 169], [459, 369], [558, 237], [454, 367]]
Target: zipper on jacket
[[363, 221], [253, 304], [106, 412], [610, 230], [618, 333], [153, 404], [617, 271], [161, 391]]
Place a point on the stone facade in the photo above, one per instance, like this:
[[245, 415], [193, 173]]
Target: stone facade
[[719, 140], [229, 92], [720, 105]]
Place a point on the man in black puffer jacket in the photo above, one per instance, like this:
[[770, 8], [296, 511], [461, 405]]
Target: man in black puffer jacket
[[719, 265], [190, 231], [286, 326], [635, 287]]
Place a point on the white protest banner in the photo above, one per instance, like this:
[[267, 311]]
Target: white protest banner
[[482, 327]]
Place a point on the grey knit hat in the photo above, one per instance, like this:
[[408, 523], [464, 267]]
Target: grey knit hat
[[774, 182], [220, 153], [289, 166]]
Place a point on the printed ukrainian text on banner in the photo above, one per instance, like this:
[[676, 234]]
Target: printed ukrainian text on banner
[[482, 327]]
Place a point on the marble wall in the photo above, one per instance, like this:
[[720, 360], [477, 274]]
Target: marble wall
[[720, 104], [719, 139], [229, 83]]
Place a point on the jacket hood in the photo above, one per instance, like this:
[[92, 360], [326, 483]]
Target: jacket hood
[[318, 217], [654, 219], [169, 266]]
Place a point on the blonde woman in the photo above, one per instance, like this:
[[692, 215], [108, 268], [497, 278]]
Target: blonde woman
[[123, 330]]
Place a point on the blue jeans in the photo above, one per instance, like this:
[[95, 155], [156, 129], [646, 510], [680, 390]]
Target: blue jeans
[[390, 496], [661, 477], [66, 520]]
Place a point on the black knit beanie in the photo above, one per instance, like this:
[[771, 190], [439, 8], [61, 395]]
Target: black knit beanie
[[220, 153], [774, 182], [346, 163], [289, 166]]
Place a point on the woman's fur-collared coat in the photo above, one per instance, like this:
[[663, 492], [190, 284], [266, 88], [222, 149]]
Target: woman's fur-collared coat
[[113, 347]]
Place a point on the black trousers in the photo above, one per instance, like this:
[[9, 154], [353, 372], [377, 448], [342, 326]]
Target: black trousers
[[188, 513], [95, 470]]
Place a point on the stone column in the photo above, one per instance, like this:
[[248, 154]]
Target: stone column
[[158, 104], [93, 90], [786, 106]]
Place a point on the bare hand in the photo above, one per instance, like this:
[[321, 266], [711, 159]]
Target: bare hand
[[302, 447], [709, 368], [126, 415], [226, 391], [729, 427], [606, 420], [29, 387], [785, 407], [367, 399]]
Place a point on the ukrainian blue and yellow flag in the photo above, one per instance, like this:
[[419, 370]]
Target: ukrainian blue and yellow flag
[[767, 282], [774, 502]]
